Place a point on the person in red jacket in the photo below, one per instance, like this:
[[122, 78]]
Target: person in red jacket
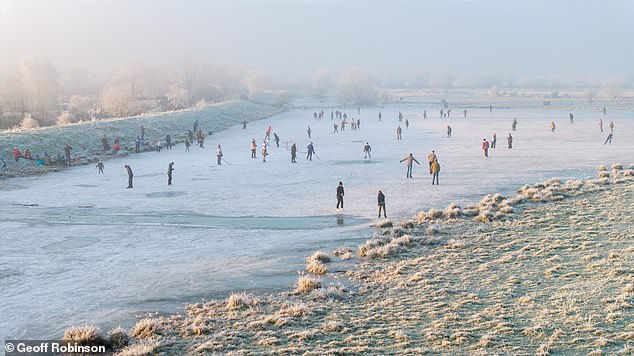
[[16, 154], [485, 147]]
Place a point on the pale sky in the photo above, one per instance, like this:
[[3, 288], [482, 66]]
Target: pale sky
[[292, 38]]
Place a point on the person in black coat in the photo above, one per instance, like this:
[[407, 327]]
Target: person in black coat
[[130, 175], [340, 194], [170, 169]]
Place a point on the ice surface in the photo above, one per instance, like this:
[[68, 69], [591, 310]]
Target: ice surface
[[79, 248]]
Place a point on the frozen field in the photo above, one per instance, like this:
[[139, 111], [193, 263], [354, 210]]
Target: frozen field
[[78, 248]]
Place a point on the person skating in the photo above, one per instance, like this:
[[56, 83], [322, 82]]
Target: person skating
[[449, 131], [430, 159], [366, 151], [276, 138], [399, 131], [601, 124], [571, 118], [99, 166], [552, 126], [187, 144], [494, 141], [514, 125], [509, 140], [406, 123], [424, 114], [201, 138], [311, 150], [490, 108], [343, 125], [340, 194], [168, 142], [380, 116], [254, 147], [609, 139], [465, 113], [410, 163], [265, 151], [159, 145], [196, 125], [137, 144], [435, 170], [611, 126], [267, 135], [335, 128], [485, 147], [244, 125], [358, 124], [219, 154], [308, 131], [130, 175], [293, 152], [67, 150], [190, 135], [104, 142], [400, 117], [381, 201], [3, 168], [170, 169]]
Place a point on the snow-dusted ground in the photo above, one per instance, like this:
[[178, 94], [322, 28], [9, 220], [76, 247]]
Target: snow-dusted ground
[[79, 248]]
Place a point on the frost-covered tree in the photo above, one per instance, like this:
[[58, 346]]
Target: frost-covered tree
[[356, 87], [177, 97], [116, 99], [256, 81], [322, 82]]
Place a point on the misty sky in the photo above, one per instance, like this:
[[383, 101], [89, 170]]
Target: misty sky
[[293, 38]]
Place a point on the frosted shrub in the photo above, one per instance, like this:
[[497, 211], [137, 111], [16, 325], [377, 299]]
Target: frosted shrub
[[315, 266], [28, 123], [142, 349], [118, 338], [146, 329], [307, 284], [240, 300], [84, 335], [320, 256], [63, 119]]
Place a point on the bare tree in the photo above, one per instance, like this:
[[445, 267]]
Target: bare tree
[[322, 82], [356, 87]]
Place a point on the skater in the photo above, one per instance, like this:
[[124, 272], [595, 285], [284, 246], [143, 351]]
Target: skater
[[201, 138], [276, 138], [308, 130], [293, 152], [410, 162], [116, 147], [137, 144], [366, 151], [159, 145], [552, 126], [311, 150], [168, 142], [99, 166], [435, 170], [430, 159], [267, 136], [187, 144], [601, 124], [400, 117], [448, 131], [381, 200], [380, 116], [571, 118], [424, 114], [609, 139], [170, 169], [340, 194], [399, 130], [514, 126], [335, 128], [343, 125], [254, 147], [264, 151], [494, 141], [611, 126], [190, 135], [442, 113], [196, 125], [406, 123], [465, 112], [219, 154], [509, 140], [67, 150], [104, 142], [485, 147], [130, 175], [358, 124], [358, 110], [604, 110], [490, 108], [3, 168], [244, 125]]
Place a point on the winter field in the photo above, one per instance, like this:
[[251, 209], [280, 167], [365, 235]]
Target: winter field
[[79, 248]]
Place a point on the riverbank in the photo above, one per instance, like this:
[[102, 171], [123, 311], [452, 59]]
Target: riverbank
[[548, 270], [85, 138]]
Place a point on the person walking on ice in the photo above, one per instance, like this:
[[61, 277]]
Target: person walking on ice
[[514, 125], [219, 154], [406, 123], [601, 124], [264, 151], [311, 150], [308, 131], [254, 146], [509, 140], [366, 151], [340, 194], [399, 131], [485, 147], [410, 162], [494, 141], [435, 170], [130, 175], [293, 152], [381, 201], [170, 169], [335, 128], [267, 135], [187, 144], [611, 126], [99, 166], [571, 118], [276, 138], [449, 131], [609, 139], [465, 112], [552, 126], [431, 158]]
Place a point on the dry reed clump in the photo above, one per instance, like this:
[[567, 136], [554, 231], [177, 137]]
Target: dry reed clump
[[320, 256], [604, 174], [628, 173], [302, 335], [240, 300], [333, 292], [28, 123], [617, 167], [315, 266], [307, 284], [84, 335], [384, 223], [340, 251], [602, 168], [118, 338], [294, 310], [452, 211], [63, 119], [332, 326], [146, 329], [140, 349]]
